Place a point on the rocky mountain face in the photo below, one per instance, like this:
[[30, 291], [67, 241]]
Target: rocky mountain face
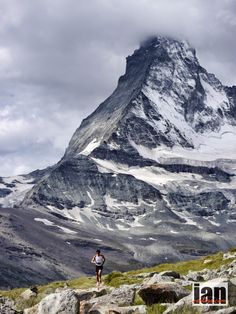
[[152, 169]]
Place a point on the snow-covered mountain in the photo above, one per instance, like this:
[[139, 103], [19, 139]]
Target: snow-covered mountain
[[153, 167]]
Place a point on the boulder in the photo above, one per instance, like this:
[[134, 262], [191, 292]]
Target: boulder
[[145, 275], [65, 302], [167, 292], [29, 293], [87, 294], [181, 306], [157, 278], [123, 296], [232, 291], [195, 276], [7, 306], [32, 310], [170, 273], [184, 283]]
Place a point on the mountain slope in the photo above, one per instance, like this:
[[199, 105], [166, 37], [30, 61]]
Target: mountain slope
[[155, 163]]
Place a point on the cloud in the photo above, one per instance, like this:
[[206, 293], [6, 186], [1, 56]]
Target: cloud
[[60, 58]]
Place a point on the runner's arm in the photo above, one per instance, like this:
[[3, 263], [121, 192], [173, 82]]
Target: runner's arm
[[93, 260]]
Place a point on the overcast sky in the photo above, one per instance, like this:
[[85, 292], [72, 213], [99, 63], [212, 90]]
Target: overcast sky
[[60, 58]]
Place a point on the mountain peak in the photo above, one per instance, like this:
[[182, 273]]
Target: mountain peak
[[165, 89], [171, 46]]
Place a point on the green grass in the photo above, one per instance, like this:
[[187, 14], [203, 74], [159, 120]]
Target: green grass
[[116, 279], [44, 290], [138, 300], [156, 309], [184, 267]]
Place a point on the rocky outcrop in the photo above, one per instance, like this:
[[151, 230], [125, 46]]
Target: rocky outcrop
[[65, 302], [209, 274]]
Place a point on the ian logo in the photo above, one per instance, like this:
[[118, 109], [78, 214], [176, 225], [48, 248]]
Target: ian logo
[[213, 293]]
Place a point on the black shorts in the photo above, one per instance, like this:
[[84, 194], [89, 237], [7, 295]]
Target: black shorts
[[99, 268]]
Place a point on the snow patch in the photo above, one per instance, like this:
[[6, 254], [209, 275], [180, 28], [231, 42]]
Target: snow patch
[[21, 186], [90, 147], [209, 147], [45, 221], [152, 175], [50, 223], [66, 230], [91, 199]]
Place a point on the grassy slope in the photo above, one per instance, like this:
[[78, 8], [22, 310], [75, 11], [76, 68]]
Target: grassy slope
[[115, 279]]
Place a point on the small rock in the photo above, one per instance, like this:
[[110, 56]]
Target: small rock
[[207, 261]]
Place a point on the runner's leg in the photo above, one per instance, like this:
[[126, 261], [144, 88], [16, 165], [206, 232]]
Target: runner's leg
[[100, 275], [97, 275]]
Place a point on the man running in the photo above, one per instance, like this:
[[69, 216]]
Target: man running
[[99, 261]]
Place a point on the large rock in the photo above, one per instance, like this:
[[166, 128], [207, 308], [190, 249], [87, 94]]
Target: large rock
[[170, 273], [157, 278], [7, 306], [87, 294], [29, 293], [232, 291], [64, 302], [123, 296], [167, 292], [179, 307], [195, 276]]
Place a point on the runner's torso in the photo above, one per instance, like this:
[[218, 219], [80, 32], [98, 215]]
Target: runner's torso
[[99, 260]]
